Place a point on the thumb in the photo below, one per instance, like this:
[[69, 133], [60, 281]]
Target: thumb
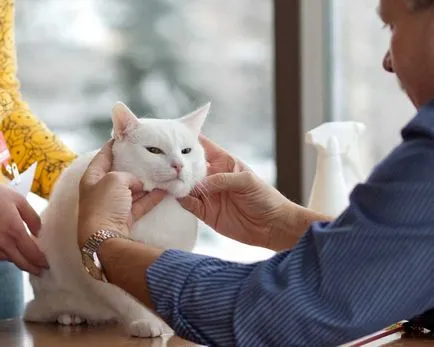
[[193, 205], [99, 166]]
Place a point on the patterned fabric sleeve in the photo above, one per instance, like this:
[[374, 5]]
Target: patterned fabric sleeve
[[28, 139]]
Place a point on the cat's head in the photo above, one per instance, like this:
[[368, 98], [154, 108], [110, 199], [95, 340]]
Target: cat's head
[[162, 153]]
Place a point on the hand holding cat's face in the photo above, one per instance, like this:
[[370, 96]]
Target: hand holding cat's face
[[238, 204], [111, 200], [163, 153]]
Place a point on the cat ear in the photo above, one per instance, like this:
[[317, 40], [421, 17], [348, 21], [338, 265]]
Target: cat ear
[[124, 120], [195, 119]]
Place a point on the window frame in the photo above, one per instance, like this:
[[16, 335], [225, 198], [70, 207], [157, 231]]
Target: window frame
[[302, 99]]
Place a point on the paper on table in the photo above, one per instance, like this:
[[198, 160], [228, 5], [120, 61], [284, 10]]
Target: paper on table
[[24, 185]]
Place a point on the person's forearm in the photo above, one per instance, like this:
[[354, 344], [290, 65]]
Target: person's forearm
[[292, 225], [125, 263], [305, 217], [338, 284], [197, 295]]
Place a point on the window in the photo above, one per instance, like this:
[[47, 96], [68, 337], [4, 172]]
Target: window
[[361, 90], [166, 57], [342, 48], [161, 57]]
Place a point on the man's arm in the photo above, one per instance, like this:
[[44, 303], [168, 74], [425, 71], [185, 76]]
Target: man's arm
[[369, 268], [330, 289], [124, 263], [293, 226]]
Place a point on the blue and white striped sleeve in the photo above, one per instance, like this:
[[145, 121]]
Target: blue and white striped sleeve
[[327, 291], [203, 312], [371, 267]]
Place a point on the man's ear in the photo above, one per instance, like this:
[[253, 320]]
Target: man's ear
[[124, 120], [196, 119]]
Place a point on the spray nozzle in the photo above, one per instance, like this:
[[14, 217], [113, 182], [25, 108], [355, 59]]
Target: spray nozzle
[[335, 137]]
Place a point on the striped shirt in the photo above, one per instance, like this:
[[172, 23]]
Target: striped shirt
[[371, 267]]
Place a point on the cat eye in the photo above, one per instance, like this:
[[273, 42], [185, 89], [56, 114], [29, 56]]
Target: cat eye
[[154, 150], [186, 150]]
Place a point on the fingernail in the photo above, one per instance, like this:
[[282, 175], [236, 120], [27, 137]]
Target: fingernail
[[138, 196], [44, 264]]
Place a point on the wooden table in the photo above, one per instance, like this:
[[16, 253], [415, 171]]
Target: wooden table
[[16, 333], [411, 343]]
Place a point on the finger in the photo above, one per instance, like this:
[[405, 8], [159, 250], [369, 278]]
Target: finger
[[15, 256], [138, 195], [218, 168], [99, 166], [3, 256], [214, 184], [27, 246], [147, 203], [212, 170], [29, 216], [126, 179], [136, 187], [226, 181], [212, 150], [219, 160], [193, 205]]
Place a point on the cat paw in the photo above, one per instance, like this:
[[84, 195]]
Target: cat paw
[[69, 319], [146, 328], [38, 311]]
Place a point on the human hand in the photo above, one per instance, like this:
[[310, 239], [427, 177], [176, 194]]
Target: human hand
[[16, 245], [111, 200], [238, 204]]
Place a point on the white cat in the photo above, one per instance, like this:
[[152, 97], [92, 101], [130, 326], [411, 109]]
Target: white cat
[[164, 154]]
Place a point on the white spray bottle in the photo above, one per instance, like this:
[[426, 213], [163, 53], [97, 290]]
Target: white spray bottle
[[338, 165]]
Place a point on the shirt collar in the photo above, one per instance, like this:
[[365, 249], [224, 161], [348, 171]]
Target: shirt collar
[[422, 125]]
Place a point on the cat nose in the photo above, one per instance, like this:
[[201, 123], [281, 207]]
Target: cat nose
[[178, 167]]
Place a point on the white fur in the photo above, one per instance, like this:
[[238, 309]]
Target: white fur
[[66, 293]]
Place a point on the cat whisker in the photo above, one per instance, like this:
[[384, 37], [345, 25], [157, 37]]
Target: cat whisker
[[204, 193], [195, 192]]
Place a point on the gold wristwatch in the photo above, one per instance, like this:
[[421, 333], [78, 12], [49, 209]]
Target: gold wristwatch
[[89, 256]]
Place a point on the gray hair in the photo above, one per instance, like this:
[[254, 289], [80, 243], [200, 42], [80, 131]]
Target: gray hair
[[419, 4]]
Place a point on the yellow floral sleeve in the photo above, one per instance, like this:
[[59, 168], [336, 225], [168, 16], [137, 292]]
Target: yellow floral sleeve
[[28, 139]]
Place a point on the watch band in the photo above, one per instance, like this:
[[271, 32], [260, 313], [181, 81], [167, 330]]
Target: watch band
[[89, 249], [94, 241]]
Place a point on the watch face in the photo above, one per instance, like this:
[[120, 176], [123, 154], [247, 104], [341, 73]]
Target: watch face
[[91, 267]]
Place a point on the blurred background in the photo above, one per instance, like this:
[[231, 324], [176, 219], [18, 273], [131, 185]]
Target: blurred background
[[164, 58]]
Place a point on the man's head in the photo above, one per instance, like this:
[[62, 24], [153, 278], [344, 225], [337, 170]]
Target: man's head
[[411, 52]]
